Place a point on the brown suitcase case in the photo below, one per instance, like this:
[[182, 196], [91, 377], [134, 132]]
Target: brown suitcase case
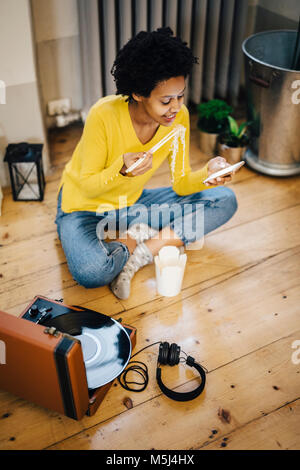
[[45, 366]]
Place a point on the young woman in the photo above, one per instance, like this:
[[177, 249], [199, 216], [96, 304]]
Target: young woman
[[150, 73]]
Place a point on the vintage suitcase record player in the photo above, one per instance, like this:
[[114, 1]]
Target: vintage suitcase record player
[[44, 362]]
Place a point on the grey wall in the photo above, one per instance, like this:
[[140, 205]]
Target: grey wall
[[20, 117], [40, 61], [57, 51], [277, 14]]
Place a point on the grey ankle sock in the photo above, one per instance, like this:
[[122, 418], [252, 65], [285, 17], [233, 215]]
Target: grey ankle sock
[[142, 255], [139, 258]]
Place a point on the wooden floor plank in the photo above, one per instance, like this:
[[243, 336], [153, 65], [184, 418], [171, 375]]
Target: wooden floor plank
[[214, 331], [36, 220], [55, 283], [237, 314], [279, 430], [259, 197], [253, 395], [21, 259], [222, 321]]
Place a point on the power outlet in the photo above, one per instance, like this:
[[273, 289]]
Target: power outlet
[[58, 107]]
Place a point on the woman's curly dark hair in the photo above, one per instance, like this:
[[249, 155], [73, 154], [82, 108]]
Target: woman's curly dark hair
[[149, 58]]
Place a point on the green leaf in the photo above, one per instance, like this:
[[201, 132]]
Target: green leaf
[[243, 128], [233, 125]]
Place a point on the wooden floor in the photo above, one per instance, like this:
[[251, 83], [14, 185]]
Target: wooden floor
[[238, 314]]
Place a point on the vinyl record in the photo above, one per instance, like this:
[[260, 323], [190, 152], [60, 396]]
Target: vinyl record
[[106, 352], [105, 344]]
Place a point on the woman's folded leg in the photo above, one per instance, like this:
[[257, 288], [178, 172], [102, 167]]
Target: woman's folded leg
[[91, 261], [192, 216]]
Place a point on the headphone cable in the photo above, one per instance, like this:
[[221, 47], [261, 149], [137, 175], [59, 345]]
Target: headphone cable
[[142, 370]]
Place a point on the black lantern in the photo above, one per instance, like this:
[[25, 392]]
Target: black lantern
[[26, 171]]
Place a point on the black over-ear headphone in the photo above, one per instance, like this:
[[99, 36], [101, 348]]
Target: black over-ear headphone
[[170, 355]]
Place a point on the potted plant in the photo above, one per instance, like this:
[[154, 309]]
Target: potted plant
[[232, 143], [212, 120]]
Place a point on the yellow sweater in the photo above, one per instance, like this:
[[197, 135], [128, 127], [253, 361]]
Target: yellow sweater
[[92, 180]]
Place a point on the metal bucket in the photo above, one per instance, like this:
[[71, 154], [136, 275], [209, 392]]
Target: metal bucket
[[273, 103]]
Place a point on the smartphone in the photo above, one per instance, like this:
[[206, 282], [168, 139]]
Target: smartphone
[[226, 171]]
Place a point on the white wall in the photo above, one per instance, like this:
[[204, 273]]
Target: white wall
[[277, 14], [55, 19], [20, 117], [287, 8], [17, 62], [58, 52]]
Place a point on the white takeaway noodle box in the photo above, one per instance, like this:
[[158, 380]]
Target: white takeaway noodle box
[[169, 269]]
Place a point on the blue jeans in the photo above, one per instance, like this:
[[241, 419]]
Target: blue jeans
[[93, 262]]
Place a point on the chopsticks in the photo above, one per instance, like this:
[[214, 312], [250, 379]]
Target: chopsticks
[[155, 147], [164, 140]]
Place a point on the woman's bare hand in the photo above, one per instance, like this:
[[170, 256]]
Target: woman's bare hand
[[131, 158], [214, 165]]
